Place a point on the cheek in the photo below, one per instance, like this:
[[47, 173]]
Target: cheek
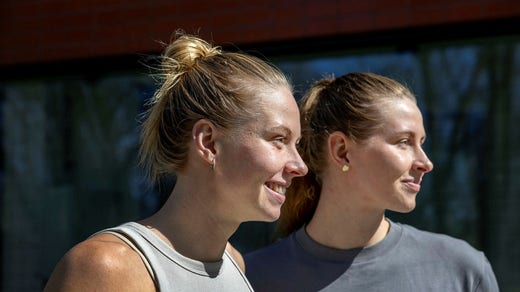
[[394, 165], [264, 161], [384, 164], [247, 162]]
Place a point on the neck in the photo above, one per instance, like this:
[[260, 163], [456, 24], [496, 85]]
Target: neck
[[190, 223], [343, 227]]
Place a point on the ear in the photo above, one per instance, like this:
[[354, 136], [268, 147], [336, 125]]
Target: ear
[[204, 133], [338, 145]]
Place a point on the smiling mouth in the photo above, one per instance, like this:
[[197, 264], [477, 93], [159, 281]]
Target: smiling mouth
[[277, 188]]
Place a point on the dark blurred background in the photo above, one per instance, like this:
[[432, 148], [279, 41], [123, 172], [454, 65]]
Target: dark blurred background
[[74, 76]]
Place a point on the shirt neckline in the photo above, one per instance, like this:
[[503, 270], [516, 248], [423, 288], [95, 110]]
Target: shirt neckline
[[361, 254]]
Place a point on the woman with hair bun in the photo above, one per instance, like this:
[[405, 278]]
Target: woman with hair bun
[[226, 125], [362, 139]]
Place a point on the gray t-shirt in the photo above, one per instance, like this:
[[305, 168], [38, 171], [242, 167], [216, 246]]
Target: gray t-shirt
[[175, 272], [407, 259]]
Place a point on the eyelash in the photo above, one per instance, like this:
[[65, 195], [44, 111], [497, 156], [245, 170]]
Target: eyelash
[[408, 142], [280, 139], [404, 141]]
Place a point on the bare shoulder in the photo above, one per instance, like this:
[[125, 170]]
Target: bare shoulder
[[237, 256], [101, 263]]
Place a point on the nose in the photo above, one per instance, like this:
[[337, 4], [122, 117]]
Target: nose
[[296, 165], [423, 163]]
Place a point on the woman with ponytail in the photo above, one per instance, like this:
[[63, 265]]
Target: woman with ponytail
[[226, 126], [362, 137]]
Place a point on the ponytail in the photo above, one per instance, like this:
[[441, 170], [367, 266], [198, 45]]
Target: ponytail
[[304, 193]]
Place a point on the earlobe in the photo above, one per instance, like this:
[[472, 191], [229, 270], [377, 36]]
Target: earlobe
[[204, 133]]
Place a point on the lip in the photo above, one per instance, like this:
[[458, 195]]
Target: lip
[[279, 198], [415, 187]]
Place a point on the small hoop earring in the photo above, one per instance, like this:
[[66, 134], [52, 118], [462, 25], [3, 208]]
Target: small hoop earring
[[345, 168], [212, 164]]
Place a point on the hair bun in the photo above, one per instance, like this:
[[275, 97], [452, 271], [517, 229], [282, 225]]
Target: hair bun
[[183, 53]]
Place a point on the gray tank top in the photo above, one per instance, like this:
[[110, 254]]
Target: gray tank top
[[172, 271]]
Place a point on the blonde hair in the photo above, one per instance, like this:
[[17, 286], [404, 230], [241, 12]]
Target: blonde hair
[[352, 104], [200, 81]]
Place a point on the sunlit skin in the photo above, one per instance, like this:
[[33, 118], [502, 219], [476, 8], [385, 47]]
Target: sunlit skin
[[388, 168], [385, 173], [252, 166], [259, 161], [250, 162]]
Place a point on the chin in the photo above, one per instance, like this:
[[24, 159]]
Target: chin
[[407, 203], [271, 215], [408, 210], [408, 207], [404, 207]]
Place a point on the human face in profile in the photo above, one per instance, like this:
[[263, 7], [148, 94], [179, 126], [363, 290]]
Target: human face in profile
[[389, 166], [260, 159]]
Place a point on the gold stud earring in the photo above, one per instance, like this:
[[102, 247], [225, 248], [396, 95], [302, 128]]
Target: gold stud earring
[[345, 168]]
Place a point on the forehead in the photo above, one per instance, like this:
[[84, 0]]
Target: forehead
[[401, 115], [275, 108]]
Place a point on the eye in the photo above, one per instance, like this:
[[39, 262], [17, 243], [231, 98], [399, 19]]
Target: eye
[[280, 139], [404, 142]]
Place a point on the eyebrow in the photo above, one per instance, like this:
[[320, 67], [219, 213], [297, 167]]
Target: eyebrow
[[281, 129], [409, 133]]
